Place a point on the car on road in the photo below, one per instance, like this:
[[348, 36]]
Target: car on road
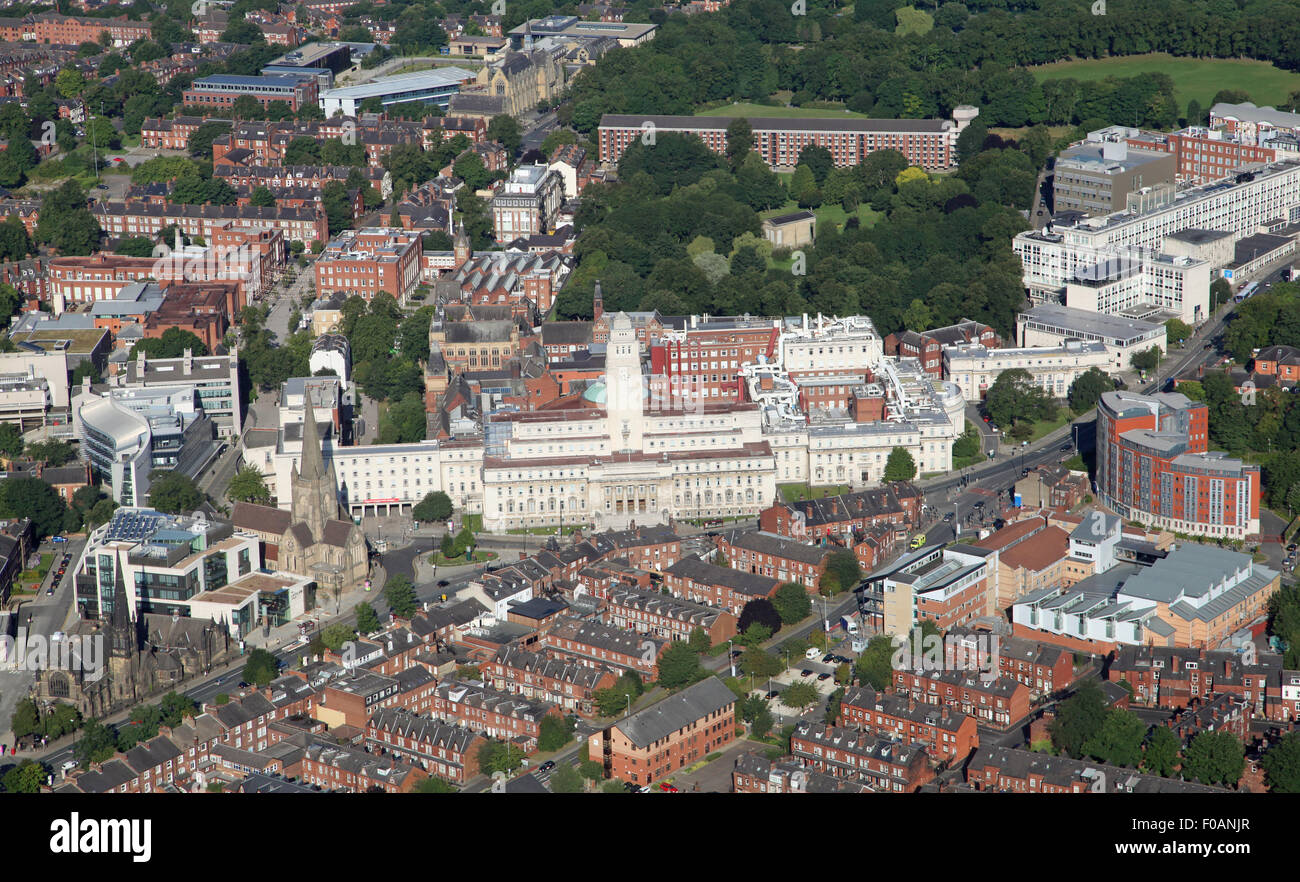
[[68, 766], [49, 592], [948, 516], [546, 766], [58, 538], [668, 788], [806, 673], [986, 419], [918, 540], [101, 186], [1065, 447], [1292, 547]]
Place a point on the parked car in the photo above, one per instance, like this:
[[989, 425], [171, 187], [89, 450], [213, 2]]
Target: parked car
[[828, 658], [58, 538], [631, 787], [823, 676], [668, 788], [948, 516], [49, 592], [773, 694], [806, 673]]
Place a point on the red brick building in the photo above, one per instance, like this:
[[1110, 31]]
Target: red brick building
[[565, 683], [998, 705], [498, 714], [777, 557], [648, 611], [599, 645], [1152, 467], [885, 765], [370, 261], [704, 359], [949, 736], [927, 346], [445, 751], [717, 586], [674, 733], [809, 519], [928, 143]]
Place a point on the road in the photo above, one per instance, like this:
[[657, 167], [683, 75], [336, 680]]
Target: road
[[48, 613]]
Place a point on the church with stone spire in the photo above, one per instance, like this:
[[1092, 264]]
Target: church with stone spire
[[314, 538]]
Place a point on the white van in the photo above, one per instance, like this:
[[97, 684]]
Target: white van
[[813, 652]]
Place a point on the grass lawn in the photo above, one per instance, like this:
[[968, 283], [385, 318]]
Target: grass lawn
[[1015, 134], [472, 522], [762, 111], [1198, 78], [796, 492], [479, 557], [545, 531], [1044, 427]]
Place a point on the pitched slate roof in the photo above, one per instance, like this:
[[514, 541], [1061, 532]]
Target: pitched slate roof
[[662, 719]]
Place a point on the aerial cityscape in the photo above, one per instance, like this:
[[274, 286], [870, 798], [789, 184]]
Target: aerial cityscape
[[705, 396]]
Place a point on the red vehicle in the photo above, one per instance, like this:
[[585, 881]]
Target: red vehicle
[[667, 788]]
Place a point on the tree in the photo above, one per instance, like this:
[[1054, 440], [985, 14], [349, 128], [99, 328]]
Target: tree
[[33, 498], [1079, 718], [334, 637], [498, 756], [435, 784], [800, 695], [1087, 388], [1161, 754], [367, 618], [900, 466], [174, 493], [759, 663], [679, 666], [261, 668], [505, 130], [1015, 396], [792, 603], [875, 666], [1282, 765], [591, 770], [843, 570], [263, 197], [1118, 740], [26, 777], [52, 453], [818, 160], [740, 141], [699, 640], [554, 732], [11, 440], [435, 506], [755, 635], [1176, 331], [1214, 758], [248, 485], [96, 743], [400, 594], [566, 779], [15, 244], [242, 31], [759, 611], [1147, 359]]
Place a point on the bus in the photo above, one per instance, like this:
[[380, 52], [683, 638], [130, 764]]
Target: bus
[[1246, 292]]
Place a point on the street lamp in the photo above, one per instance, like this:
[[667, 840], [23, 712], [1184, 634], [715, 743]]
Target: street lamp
[[731, 658]]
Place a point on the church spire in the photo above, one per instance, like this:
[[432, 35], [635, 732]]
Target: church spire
[[313, 463], [122, 638]]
